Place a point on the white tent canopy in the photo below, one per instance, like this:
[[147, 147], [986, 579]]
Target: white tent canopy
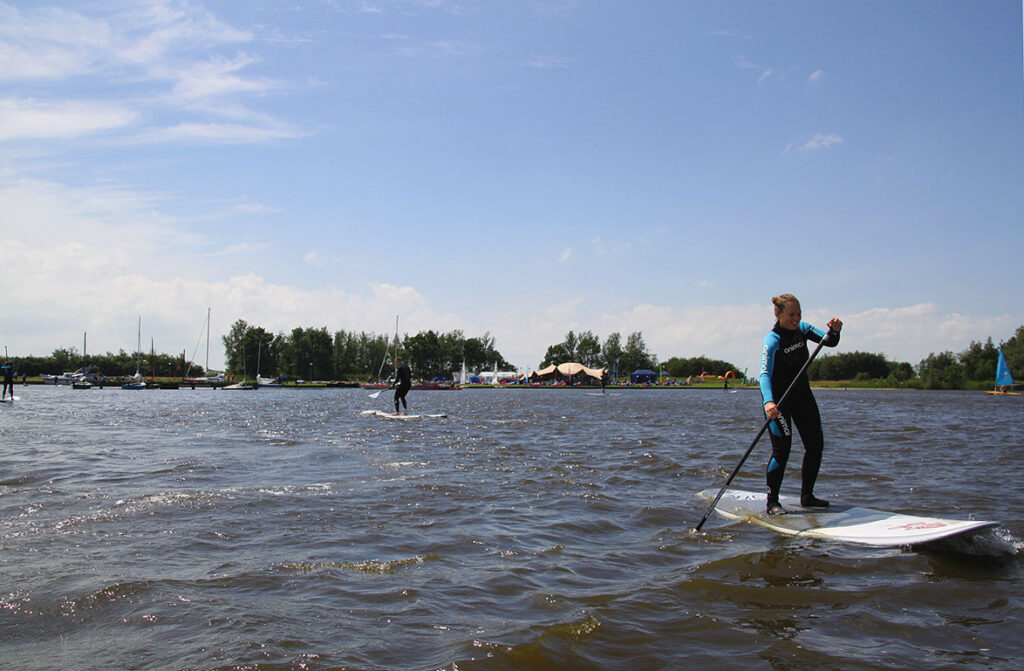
[[568, 370]]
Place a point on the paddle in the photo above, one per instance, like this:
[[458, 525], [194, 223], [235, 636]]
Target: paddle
[[764, 427], [377, 393]]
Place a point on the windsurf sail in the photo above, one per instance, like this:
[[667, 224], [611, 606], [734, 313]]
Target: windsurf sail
[[1003, 377]]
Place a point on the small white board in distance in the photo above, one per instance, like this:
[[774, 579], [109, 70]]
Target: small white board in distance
[[10, 399], [851, 524], [391, 415]]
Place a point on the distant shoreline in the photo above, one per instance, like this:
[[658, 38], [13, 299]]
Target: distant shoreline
[[177, 383]]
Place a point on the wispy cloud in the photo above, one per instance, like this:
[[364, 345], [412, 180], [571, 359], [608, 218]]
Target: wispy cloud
[[546, 63], [160, 61], [764, 73], [817, 75], [821, 141], [603, 248], [40, 119], [240, 249], [220, 133]]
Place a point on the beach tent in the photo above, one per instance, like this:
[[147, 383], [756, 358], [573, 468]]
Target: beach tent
[[568, 371], [643, 376]]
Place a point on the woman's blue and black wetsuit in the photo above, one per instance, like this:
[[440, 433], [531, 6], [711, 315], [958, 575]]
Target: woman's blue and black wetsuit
[[403, 383], [784, 354]]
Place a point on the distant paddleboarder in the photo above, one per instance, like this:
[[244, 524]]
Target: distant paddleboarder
[[782, 358], [402, 384], [7, 370]]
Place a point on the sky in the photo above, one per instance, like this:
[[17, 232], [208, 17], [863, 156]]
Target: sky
[[521, 168]]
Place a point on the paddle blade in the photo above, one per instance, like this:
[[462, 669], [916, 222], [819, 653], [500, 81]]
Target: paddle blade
[[376, 393]]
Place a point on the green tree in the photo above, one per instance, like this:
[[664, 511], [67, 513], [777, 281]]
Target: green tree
[[979, 361], [1013, 350], [849, 365], [309, 353], [359, 355], [233, 353], [480, 353], [678, 367], [899, 373], [588, 350], [425, 355], [563, 352], [635, 356], [941, 371], [250, 350], [611, 352]]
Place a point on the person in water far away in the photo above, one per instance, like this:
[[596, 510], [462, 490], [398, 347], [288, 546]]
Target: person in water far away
[[8, 374], [783, 355], [402, 384]]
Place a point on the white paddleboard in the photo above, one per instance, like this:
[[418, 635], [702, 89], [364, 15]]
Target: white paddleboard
[[839, 522], [391, 415], [10, 399]]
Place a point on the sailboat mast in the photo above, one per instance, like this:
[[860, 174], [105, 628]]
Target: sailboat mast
[[207, 341], [138, 350], [387, 351]]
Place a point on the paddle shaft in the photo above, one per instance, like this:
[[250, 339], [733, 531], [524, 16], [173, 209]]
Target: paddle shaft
[[764, 427]]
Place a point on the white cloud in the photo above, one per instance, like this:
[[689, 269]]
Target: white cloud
[[240, 249], [214, 78], [821, 141], [566, 255], [816, 75], [93, 259], [218, 133], [34, 119], [157, 62]]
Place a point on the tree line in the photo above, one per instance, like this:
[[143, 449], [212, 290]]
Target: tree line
[[621, 359], [314, 353], [973, 368], [587, 349], [121, 364]]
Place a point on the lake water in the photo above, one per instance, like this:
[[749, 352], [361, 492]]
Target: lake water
[[529, 529]]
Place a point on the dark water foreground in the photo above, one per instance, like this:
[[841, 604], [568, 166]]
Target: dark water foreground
[[528, 530]]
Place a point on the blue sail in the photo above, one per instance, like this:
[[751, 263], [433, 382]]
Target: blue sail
[[1003, 376]]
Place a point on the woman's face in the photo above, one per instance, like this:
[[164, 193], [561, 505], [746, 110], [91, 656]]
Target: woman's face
[[789, 318]]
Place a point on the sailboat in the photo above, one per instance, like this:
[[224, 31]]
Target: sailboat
[[260, 380], [1003, 378], [136, 382]]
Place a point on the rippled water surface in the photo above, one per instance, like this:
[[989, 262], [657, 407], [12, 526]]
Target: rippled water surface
[[528, 529]]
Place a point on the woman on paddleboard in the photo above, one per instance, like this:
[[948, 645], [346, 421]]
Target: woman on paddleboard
[[783, 356], [402, 385]]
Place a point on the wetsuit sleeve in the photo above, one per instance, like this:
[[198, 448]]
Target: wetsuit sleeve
[[816, 334], [771, 346]]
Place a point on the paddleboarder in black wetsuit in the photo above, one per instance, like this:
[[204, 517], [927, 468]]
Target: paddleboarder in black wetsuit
[[783, 355], [402, 385], [8, 372]]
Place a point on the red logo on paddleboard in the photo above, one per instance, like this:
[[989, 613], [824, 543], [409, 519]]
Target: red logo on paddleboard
[[911, 526]]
